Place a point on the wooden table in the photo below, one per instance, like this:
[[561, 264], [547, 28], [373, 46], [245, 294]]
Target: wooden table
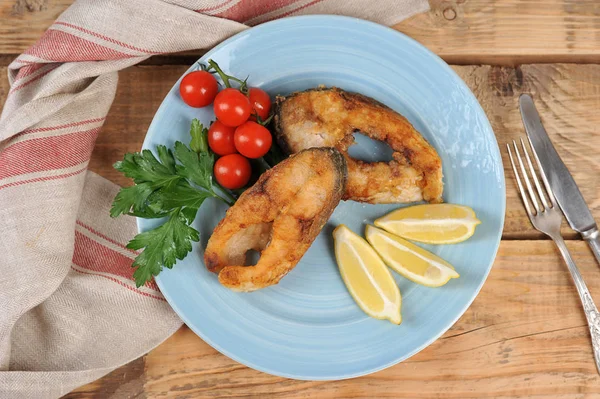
[[525, 335]]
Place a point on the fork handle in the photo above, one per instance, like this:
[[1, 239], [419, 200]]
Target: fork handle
[[591, 312], [593, 239]]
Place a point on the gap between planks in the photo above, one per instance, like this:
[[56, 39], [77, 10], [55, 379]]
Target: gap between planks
[[157, 60], [463, 60], [508, 32], [567, 96], [524, 335]]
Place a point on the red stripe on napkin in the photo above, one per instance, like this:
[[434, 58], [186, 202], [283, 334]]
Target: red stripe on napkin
[[41, 75], [47, 153], [248, 9], [94, 256], [28, 70], [44, 178], [108, 39], [50, 128], [97, 233], [61, 46], [122, 284]]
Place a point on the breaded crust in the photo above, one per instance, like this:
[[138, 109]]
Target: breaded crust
[[280, 216], [327, 117]]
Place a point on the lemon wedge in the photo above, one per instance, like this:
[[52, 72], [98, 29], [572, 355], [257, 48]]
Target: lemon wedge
[[431, 223], [410, 260], [367, 278]]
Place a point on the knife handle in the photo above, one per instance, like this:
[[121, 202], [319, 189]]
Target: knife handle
[[593, 239]]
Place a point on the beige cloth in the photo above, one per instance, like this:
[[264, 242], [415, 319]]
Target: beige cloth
[[69, 309]]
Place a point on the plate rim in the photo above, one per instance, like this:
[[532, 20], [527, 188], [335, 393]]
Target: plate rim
[[502, 184]]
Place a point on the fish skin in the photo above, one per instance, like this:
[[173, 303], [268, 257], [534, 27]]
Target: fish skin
[[329, 116], [280, 216]]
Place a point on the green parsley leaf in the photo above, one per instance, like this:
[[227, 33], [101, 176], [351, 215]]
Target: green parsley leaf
[[171, 185], [166, 157], [182, 195], [144, 167], [149, 212], [149, 174], [198, 168], [189, 213], [163, 246], [199, 135], [131, 199]]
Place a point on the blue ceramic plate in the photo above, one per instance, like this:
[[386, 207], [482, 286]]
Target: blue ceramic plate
[[308, 327]]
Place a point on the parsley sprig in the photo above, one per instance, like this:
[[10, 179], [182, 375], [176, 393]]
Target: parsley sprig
[[172, 185]]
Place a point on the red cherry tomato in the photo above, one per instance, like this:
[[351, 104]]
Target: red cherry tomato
[[232, 107], [252, 140], [198, 89], [220, 139], [260, 101], [232, 171]]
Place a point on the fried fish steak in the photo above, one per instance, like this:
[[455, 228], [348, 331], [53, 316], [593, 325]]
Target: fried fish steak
[[327, 117], [279, 216]]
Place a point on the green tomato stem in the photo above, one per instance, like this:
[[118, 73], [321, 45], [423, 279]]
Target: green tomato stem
[[226, 78]]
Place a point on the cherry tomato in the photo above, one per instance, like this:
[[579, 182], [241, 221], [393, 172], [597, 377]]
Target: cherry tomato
[[232, 171], [252, 140], [260, 101], [232, 107], [220, 139], [198, 89]]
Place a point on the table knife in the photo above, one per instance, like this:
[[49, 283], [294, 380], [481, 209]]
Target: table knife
[[565, 190]]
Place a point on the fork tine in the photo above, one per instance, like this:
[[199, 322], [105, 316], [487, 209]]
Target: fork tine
[[521, 190], [526, 178], [543, 174], [535, 178]]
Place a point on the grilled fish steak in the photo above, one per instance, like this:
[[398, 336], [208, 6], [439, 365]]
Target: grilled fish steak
[[279, 216], [327, 117]]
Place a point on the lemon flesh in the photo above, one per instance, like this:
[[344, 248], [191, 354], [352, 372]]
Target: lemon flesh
[[431, 223], [366, 276], [410, 260]]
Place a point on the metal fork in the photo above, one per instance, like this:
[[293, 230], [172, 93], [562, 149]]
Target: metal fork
[[546, 217]]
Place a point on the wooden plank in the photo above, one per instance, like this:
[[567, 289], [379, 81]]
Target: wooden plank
[[22, 22], [524, 335], [509, 32], [462, 32], [567, 96]]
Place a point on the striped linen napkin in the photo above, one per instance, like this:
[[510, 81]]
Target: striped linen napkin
[[69, 309]]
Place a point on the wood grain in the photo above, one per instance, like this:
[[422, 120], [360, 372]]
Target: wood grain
[[22, 22], [505, 32], [525, 335], [509, 32], [567, 96]]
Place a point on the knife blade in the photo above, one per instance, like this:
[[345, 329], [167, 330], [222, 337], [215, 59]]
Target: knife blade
[[563, 185]]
